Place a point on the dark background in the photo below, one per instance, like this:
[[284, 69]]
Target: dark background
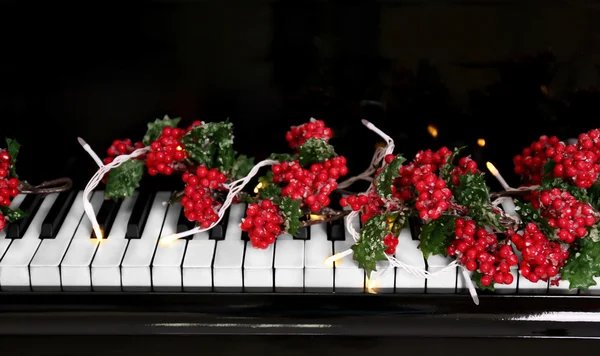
[[500, 70], [506, 71]]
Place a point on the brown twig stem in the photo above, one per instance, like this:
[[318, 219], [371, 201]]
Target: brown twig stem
[[52, 186]]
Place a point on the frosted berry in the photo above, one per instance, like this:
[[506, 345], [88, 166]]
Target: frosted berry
[[263, 222], [313, 129]]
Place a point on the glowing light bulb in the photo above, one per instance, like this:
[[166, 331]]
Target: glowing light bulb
[[317, 217], [167, 240], [179, 148], [257, 188], [481, 142], [433, 131], [338, 256], [497, 174]]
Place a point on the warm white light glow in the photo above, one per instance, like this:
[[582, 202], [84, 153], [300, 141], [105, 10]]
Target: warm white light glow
[[481, 142], [338, 256], [498, 176], [257, 188], [492, 168], [433, 131], [179, 148], [167, 240], [317, 217]]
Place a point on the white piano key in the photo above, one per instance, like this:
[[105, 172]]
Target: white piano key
[[289, 265], [135, 268], [384, 278], [197, 264], [258, 269], [445, 282], [14, 268], [525, 286], [229, 254], [166, 267], [45, 266], [4, 242], [106, 270], [408, 252], [561, 288], [318, 277], [349, 278], [75, 267]]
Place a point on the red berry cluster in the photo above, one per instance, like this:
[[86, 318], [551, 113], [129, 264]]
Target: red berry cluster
[[9, 187], [531, 160], [479, 249], [199, 203], [167, 152], [370, 204], [432, 194], [119, 147], [314, 185], [542, 259], [570, 217], [263, 223], [577, 163], [465, 165], [391, 242], [300, 134]]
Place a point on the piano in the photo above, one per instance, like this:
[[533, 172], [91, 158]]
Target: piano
[[56, 277]]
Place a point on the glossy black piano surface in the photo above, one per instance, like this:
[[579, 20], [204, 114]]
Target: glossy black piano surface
[[505, 71]]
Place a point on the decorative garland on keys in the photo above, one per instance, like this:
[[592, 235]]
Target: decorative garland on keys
[[11, 185], [553, 227]]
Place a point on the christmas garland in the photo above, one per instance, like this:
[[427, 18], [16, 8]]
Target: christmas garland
[[554, 228], [11, 185]]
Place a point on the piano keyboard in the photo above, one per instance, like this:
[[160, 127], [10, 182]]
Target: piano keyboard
[[55, 250]]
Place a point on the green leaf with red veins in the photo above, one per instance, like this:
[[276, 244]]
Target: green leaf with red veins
[[385, 179], [156, 128], [370, 248]]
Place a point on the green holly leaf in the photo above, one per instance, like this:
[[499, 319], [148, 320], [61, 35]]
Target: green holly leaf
[[528, 214], [124, 179], [583, 264], [449, 166], [268, 189], [475, 195], [370, 248], [290, 209], [156, 128], [283, 157], [242, 166], [385, 179], [211, 145], [436, 236], [594, 196], [315, 150], [13, 147], [476, 277], [13, 215]]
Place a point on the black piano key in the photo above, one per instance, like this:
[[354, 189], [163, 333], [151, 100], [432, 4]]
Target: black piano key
[[30, 204], [57, 214], [335, 230], [218, 231], [245, 236], [183, 224], [106, 217], [139, 215], [303, 233], [414, 225]]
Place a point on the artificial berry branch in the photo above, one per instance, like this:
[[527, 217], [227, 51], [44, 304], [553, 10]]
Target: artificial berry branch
[[11, 185]]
